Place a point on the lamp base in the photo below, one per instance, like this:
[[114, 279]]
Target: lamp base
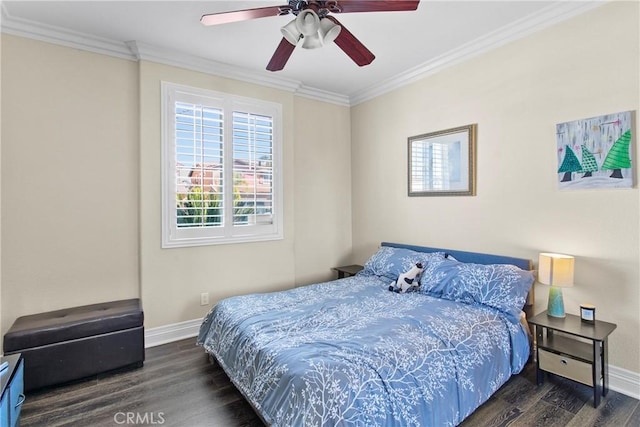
[[555, 307]]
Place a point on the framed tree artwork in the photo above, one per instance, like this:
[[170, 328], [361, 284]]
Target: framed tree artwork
[[595, 152]]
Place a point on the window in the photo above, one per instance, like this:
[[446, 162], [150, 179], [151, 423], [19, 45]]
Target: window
[[221, 168]]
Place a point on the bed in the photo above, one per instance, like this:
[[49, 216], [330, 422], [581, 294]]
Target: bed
[[349, 352]]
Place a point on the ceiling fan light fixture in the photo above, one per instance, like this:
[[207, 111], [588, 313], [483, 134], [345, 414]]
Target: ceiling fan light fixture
[[313, 41], [328, 30], [327, 33], [291, 32], [313, 23], [308, 22]]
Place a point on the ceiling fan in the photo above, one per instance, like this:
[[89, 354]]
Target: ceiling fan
[[314, 26]]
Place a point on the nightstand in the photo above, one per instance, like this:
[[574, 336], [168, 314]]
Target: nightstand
[[347, 270], [584, 360]]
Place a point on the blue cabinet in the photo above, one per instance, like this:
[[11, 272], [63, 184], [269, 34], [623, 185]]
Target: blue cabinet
[[12, 383], [4, 412]]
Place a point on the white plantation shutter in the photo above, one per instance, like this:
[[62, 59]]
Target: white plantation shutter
[[221, 160], [252, 169], [199, 161]]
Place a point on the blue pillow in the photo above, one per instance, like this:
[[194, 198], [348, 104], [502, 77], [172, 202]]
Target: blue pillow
[[390, 262], [501, 286]]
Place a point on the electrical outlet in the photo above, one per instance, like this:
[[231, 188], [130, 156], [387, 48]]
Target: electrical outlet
[[204, 298]]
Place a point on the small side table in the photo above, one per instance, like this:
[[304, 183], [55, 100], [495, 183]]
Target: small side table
[[586, 363], [347, 270]]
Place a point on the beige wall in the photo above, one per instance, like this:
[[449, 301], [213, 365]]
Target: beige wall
[[322, 189], [172, 279], [69, 178], [81, 190], [584, 67]]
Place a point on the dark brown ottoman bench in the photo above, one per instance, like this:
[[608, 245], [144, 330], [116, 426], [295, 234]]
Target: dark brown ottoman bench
[[73, 343]]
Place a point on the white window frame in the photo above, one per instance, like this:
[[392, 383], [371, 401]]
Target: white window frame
[[174, 236]]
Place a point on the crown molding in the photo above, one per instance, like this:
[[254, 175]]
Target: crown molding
[[323, 95], [62, 36], [134, 50], [523, 27], [147, 52]]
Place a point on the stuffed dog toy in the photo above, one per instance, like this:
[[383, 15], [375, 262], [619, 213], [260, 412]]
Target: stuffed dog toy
[[407, 281]]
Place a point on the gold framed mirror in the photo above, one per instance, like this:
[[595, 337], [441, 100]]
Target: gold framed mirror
[[443, 163]]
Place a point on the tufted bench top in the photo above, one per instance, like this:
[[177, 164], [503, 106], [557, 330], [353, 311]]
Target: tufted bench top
[[73, 323]]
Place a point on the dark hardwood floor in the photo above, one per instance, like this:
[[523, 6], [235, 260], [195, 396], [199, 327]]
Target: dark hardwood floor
[[179, 387]]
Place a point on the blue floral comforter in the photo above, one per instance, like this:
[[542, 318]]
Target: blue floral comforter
[[351, 353]]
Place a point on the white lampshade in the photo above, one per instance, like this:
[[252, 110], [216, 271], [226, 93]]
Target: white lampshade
[[308, 22], [314, 32], [329, 30], [291, 32], [555, 269], [313, 41]]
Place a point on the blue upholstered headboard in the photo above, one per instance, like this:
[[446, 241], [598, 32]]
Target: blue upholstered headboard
[[474, 257]]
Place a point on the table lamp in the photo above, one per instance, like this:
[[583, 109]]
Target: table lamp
[[555, 270]]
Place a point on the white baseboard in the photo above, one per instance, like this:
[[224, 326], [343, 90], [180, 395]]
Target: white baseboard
[[170, 333], [620, 380], [625, 382]]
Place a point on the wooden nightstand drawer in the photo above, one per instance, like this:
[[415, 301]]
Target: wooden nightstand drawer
[[566, 366]]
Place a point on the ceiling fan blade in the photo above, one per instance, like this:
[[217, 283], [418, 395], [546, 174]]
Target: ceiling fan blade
[[348, 6], [239, 15], [352, 46], [281, 55]]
